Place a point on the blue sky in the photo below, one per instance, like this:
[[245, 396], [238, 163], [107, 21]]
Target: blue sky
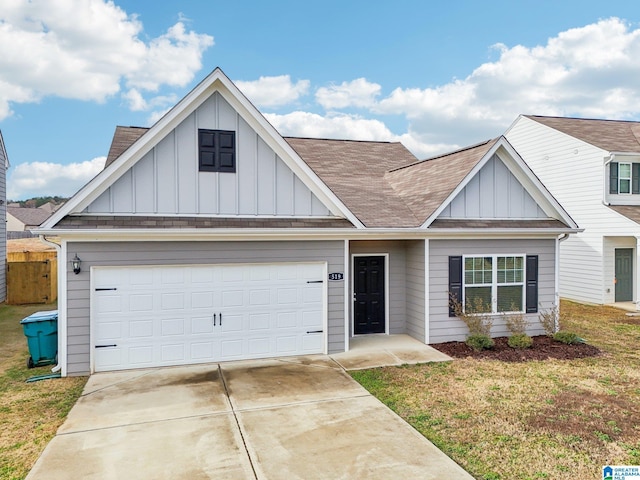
[[435, 75]]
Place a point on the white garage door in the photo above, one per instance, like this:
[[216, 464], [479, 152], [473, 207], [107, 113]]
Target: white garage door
[[159, 316]]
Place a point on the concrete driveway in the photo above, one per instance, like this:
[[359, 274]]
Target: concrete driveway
[[293, 418]]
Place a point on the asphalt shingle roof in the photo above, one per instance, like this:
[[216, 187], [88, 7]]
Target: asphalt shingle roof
[[610, 135], [29, 216], [123, 138]]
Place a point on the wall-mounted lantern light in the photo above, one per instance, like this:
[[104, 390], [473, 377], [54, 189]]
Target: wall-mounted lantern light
[[75, 264]]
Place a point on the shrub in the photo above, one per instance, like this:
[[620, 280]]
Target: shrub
[[520, 340], [516, 322], [549, 319], [473, 315], [480, 341], [569, 338]]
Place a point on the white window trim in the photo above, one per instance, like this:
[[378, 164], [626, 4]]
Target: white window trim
[[494, 280]]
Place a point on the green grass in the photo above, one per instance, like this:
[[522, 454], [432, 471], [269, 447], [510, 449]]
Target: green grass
[[534, 420], [30, 413]]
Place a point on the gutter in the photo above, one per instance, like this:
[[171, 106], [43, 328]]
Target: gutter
[[58, 248]]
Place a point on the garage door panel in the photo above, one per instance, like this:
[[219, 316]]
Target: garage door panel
[[171, 315]]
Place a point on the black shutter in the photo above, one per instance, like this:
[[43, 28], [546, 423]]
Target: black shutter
[[455, 282], [613, 177], [531, 289], [227, 151], [635, 178]]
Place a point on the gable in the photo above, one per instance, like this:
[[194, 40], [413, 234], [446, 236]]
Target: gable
[[493, 193], [167, 180]]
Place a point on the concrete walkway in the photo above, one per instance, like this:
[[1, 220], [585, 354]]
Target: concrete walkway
[[290, 418]]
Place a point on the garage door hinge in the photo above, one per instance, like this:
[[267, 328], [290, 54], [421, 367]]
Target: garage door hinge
[[106, 346], [105, 289], [315, 281]]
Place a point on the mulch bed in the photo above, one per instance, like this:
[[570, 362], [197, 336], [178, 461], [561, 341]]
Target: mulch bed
[[543, 348]]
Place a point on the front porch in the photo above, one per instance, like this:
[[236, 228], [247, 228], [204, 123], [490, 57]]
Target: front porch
[[372, 351]]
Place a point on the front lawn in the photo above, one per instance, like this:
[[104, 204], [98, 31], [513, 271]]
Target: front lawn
[[549, 419], [30, 413]]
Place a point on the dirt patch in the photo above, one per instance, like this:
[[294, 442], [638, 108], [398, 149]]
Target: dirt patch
[[543, 348]]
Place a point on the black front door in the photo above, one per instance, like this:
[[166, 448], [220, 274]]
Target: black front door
[[369, 310]]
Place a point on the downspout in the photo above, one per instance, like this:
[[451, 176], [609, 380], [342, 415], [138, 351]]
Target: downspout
[[559, 239], [58, 248]]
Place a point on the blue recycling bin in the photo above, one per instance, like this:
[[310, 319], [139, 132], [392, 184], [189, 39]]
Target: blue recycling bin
[[41, 330]]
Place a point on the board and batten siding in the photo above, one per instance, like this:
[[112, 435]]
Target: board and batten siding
[[396, 275], [167, 181], [191, 253], [493, 193], [415, 289], [575, 174], [443, 328]]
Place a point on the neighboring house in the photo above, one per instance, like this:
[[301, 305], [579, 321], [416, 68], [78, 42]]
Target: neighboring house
[[593, 168], [4, 165], [210, 237], [21, 219]]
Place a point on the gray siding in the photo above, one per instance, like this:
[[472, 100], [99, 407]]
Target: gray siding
[[443, 328], [415, 290], [191, 253], [167, 181], [397, 278], [493, 193], [3, 221]]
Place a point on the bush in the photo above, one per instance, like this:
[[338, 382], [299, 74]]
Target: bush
[[520, 340], [480, 341], [549, 320], [569, 338], [516, 322], [474, 316]]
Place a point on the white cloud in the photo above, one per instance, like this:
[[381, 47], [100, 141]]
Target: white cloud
[[590, 71], [45, 178], [273, 91], [356, 93], [85, 50]]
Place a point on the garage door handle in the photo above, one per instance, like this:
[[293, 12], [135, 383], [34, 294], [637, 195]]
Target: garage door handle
[[220, 319], [315, 281], [215, 315], [315, 331], [105, 289], [106, 346]]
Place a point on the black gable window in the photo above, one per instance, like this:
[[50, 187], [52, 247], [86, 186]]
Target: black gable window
[[216, 150]]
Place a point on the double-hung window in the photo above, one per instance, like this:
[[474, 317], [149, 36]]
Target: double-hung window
[[494, 283], [624, 178]]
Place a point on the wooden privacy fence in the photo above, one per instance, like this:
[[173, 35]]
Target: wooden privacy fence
[[32, 277]]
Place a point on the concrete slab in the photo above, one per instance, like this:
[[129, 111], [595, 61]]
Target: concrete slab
[[147, 395], [344, 439], [374, 351], [267, 383], [207, 447]]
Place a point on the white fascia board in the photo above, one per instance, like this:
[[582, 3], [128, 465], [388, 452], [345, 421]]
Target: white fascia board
[[462, 185], [216, 81], [523, 174], [176, 235]]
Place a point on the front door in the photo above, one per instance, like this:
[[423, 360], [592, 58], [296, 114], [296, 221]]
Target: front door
[[369, 295], [624, 274]]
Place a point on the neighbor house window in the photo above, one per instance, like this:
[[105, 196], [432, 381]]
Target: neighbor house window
[[216, 150], [494, 283], [624, 178]]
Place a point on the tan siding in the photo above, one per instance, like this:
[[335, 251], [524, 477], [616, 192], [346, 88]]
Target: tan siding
[[192, 253], [443, 328]]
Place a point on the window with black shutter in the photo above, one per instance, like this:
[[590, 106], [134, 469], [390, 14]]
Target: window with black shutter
[[216, 151]]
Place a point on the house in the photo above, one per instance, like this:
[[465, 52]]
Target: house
[[593, 168], [4, 165], [210, 237], [22, 219]]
